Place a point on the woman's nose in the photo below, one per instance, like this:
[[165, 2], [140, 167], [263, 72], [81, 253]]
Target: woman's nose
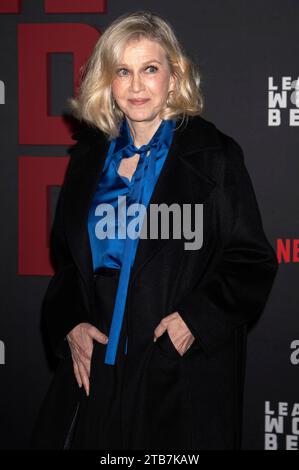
[[136, 83]]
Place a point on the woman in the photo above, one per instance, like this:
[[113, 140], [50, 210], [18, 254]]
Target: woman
[[151, 335]]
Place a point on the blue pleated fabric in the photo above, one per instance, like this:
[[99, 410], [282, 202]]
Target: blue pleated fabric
[[114, 224]]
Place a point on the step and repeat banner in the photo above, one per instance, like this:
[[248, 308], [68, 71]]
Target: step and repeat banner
[[248, 56]]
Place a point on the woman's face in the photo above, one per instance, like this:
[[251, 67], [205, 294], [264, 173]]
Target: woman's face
[[142, 80]]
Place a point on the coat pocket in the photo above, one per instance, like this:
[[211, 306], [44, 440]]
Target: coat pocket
[[167, 347]]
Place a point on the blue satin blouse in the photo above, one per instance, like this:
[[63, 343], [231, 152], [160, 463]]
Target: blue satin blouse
[[108, 219]]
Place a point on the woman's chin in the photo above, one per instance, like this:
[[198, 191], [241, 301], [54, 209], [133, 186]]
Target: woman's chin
[[140, 116]]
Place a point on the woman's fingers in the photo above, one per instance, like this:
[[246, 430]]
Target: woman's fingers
[[81, 366], [96, 334], [86, 364], [160, 329], [179, 333], [82, 371], [81, 340], [84, 377], [77, 373], [85, 352]]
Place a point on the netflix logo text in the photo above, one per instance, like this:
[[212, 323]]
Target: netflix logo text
[[288, 250]]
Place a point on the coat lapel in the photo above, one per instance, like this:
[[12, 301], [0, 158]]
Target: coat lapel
[[180, 181], [89, 157]]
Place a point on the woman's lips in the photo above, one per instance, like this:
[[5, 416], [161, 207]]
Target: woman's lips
[[138, 102]]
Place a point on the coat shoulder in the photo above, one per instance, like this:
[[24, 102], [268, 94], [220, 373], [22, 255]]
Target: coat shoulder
[[86, 132], [215, 136], [219, 151], [85, 137]]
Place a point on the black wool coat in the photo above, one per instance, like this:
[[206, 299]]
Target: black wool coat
[[169, 401]]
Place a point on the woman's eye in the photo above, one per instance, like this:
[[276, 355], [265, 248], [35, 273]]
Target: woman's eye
[[122, 72], [152, 68]]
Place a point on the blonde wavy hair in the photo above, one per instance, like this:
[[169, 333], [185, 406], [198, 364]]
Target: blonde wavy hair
[[94, 102]]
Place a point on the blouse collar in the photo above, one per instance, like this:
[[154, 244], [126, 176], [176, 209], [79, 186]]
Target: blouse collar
[[162, 134]]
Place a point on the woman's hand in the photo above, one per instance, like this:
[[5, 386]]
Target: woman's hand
[[178, 331], [80, 340]]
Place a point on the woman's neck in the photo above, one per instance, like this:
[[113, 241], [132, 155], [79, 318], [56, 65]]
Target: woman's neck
[[142, 132]]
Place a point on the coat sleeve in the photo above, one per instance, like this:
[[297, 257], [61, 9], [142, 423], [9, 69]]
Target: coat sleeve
[[235, 287], [62, 307]]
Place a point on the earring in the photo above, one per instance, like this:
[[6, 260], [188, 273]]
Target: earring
[[113, 104]]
